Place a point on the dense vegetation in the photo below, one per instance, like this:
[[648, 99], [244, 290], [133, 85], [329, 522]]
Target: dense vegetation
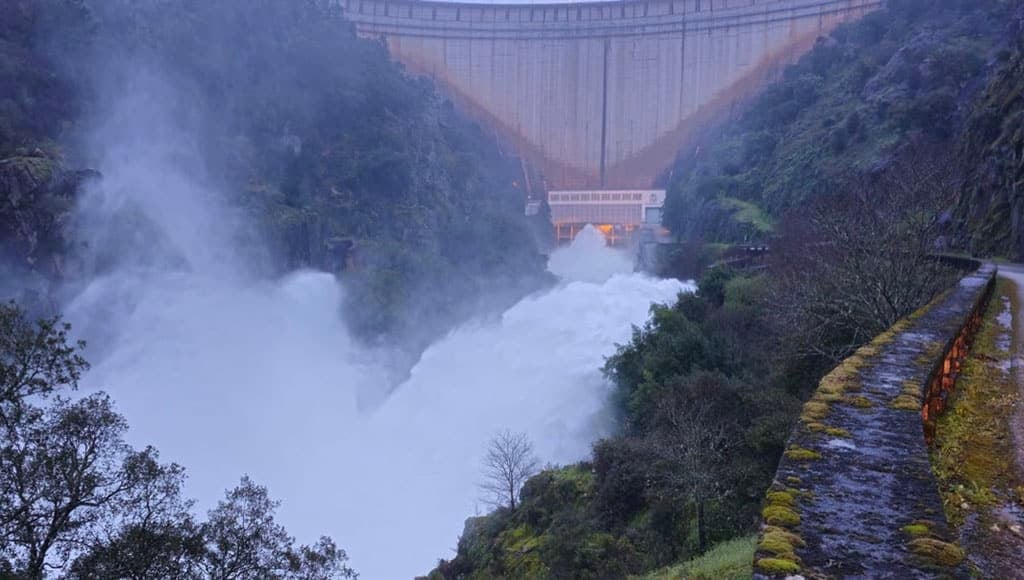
[[347, 162], [705, 415], [848, 166], [850, 106]]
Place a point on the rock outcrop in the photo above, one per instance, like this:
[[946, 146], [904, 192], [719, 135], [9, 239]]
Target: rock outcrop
[[37, 198], [992, 208]]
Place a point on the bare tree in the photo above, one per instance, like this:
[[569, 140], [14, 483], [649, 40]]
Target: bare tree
[[691, 448], [509, 462], [857, 261]]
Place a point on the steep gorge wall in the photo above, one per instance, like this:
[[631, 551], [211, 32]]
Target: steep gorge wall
[[600, 94]]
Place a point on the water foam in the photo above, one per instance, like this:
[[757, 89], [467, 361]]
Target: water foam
[[228, 373]]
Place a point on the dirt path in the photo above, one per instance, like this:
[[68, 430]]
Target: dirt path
[[978, 456], [1015, 273]]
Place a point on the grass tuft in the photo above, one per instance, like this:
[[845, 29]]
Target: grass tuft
[[731, 560]]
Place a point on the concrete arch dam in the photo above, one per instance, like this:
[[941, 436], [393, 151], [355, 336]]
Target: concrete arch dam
[[599, 94]]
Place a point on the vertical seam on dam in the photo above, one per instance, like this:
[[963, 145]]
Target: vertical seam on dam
[[604, 112], [682, 70]]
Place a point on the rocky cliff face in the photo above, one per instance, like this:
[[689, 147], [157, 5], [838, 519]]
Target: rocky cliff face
[[992, 208], [37, 197]]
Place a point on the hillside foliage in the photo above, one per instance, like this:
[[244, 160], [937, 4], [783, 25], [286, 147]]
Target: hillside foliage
[[908, 72]]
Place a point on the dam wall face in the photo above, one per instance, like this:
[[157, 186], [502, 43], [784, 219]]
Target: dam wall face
[[599, 94]]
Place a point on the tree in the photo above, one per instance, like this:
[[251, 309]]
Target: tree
[[509, 462], [157, 538], [863, 259], [35, 359], [73, 491], [155, 535], [692, 445], [62, 470], [243, 541], [59, 466]]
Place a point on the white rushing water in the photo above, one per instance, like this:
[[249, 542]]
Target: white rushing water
[[227, 373]]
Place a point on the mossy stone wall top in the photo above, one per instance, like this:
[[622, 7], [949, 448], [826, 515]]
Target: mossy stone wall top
[[854, 494]]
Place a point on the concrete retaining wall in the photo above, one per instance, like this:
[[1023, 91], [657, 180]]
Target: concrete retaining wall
[[854, 494]]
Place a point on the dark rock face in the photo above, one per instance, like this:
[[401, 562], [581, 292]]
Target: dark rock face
[[992, 208], [37, 198], [854, 495]]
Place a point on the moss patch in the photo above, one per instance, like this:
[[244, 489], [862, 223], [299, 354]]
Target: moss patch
[[910, 397], [783, 498], [859, 402], [801, 454], [918, 529], [937, 552], [781, 533], [906, 403], [780, 543], [932, 352], [777, 566], [814, 411], [777, 515], [837, 432]]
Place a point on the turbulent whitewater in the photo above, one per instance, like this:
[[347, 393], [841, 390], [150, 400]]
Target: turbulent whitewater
[[229, 373]]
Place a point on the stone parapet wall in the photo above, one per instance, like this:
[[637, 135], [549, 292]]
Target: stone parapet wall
[[854, 494]]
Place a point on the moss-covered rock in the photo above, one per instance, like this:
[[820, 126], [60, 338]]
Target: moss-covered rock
[[801, 454], [859, 402], [777, 566], [937, 552], [917, 529], [814, 411], [906, 403], [783, 498], [777, 515]]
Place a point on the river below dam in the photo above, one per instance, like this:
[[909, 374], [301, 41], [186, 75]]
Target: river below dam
[[228, 372], [229, 377]]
